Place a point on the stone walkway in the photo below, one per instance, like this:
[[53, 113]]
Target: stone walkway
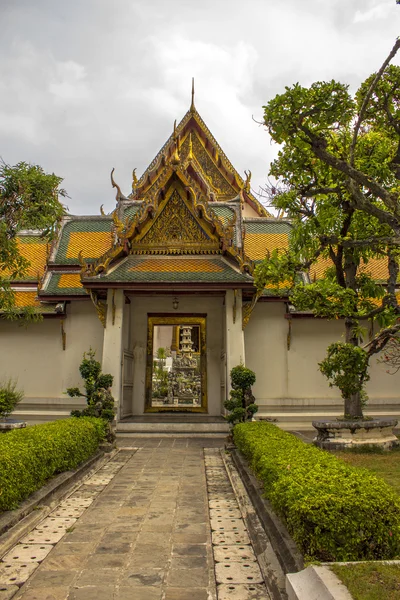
[[144, 533]]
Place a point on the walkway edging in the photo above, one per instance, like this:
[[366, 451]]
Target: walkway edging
[[270, 566], [283, 545], [316, 583]]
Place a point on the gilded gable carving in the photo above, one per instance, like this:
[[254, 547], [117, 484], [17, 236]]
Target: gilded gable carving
[[211, 171], [175, 230]]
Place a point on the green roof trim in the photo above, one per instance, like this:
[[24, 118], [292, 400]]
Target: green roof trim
[[130, 211], [267, 226], [133, 270]]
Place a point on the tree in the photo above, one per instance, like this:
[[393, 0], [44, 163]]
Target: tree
[[338, 179], [29, 199]]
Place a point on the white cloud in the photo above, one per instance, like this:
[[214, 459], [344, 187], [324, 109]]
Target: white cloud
[[69, 82], [379, 11], [85, 86]]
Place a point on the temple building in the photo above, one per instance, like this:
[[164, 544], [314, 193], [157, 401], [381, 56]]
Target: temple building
[[162, 290]]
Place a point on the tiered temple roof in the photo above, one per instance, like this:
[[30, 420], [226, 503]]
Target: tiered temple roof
[[190, 220]]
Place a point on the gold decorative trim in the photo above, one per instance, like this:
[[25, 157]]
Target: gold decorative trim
[[289, 334], [100, 306], [113, 307], [235, 294], [175, 320], [63, 335], [248, 307]]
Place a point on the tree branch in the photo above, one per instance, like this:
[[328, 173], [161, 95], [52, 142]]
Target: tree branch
[[367, 98]]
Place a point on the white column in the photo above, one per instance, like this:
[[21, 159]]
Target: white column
[[112, 345], [234, 333]]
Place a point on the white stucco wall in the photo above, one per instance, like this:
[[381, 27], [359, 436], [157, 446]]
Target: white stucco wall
[[292, 374], [34, 356], [265, 346], [211, 306]]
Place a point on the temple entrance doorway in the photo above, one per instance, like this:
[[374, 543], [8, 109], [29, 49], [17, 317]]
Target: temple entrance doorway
[[176, 372]]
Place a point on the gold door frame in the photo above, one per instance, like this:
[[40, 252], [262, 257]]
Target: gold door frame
[[180, 319]]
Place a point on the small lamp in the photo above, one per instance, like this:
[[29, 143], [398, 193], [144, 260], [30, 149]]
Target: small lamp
[[175, 303]]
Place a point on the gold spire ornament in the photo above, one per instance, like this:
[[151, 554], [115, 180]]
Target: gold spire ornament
[[192, 106], [103, 214]]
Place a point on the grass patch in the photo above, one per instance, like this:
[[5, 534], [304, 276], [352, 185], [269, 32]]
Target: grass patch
[[370, 581], [385, 465]]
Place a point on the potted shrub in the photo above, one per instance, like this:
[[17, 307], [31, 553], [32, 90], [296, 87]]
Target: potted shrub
[[9, 398], [241, 403], [100, 402]]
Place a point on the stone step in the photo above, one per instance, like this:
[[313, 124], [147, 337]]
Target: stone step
[[155, 427]]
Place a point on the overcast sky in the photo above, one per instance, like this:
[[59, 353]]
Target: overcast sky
[[87, 85]]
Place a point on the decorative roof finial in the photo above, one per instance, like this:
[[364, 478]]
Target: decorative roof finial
[[192, 107], [134, 180], [115, 185], [246, 186], [174, 134]]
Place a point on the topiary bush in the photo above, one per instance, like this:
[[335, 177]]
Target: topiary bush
[[241, 403], [9, 397], [100, 402], [333, 511], [29, 457]]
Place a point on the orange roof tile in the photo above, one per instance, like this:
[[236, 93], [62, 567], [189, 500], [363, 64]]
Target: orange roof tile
[[69, 280], [256, 245], [23, 299], [35, 251], [92, 243], [375, 267], [186, 265]]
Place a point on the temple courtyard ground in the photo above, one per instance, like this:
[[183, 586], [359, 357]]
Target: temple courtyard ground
[[159, 521]]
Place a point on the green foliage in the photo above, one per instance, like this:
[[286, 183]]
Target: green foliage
[[333, 511], [100, 402], [29, 457], [346, 367], [337, 177], [241, 403], [9, 397], [29, 199]]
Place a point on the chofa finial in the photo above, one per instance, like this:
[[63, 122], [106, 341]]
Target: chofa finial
[[115, 185], [192, 107]]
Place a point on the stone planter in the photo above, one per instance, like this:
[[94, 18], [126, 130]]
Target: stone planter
[[340, 435], [10, 424]]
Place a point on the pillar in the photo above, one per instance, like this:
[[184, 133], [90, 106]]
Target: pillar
[[113, 343], [234, 333]]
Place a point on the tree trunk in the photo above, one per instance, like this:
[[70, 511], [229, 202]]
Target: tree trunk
[[352, 405]]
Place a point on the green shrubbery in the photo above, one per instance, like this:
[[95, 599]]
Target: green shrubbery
[[31, 456], [333, 511]]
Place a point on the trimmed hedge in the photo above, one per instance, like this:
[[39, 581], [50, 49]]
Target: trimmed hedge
[[31, 456], [333, 511]]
